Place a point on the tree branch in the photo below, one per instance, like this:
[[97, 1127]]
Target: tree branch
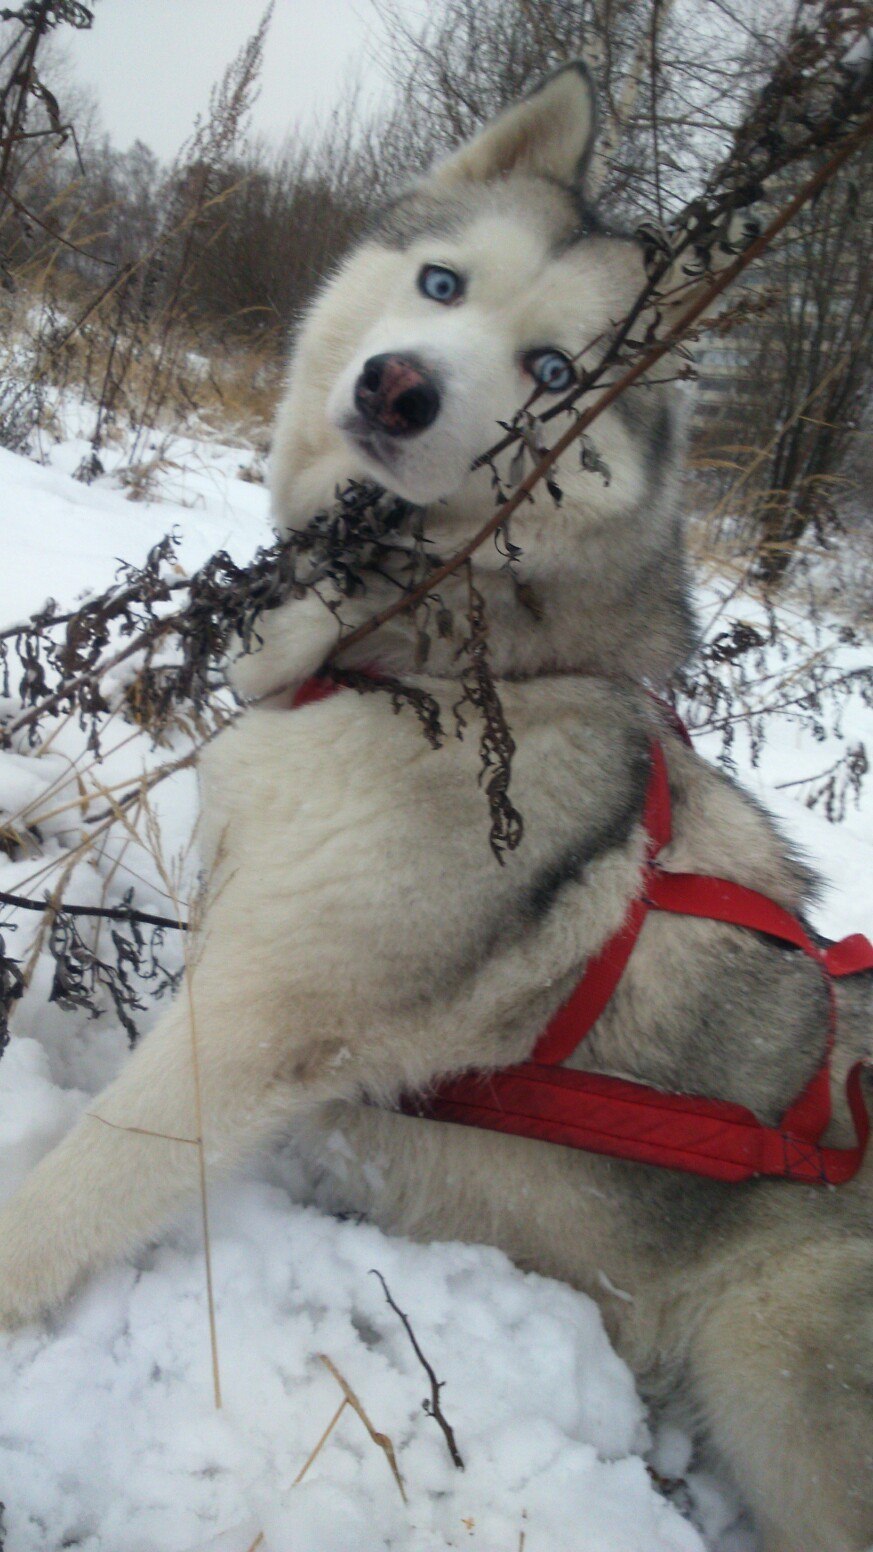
[[103, 912]]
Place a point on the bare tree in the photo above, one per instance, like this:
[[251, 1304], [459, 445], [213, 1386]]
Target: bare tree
[[674, 79], [31, 116], [289, 212], [812, 367]]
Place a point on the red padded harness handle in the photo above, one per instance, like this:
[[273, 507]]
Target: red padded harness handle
[[627, 1120]]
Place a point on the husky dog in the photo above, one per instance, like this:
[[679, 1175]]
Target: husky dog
[[361, 940]]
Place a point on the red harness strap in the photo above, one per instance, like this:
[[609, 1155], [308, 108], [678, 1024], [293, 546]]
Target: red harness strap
[[541, 1098]]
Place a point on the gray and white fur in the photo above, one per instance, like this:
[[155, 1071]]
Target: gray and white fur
[[361, 940]]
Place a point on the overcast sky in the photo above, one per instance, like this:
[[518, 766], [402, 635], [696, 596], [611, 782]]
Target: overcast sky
[[151, 63]]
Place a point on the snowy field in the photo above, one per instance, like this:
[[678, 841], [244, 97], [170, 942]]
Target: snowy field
[[109, 1436]]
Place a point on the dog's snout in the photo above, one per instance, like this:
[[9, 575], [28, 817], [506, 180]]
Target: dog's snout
[[397, 395]]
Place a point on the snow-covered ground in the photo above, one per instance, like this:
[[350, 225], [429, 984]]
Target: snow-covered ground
[[110, 1440]]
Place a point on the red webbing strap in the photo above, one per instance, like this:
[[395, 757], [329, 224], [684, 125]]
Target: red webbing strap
[[718, 899], [604, 970]]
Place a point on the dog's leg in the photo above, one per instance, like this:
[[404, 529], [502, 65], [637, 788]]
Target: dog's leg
[[784, 1372], [132, 1161]]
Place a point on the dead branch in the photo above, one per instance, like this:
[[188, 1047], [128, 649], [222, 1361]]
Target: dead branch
[[432, 1405], [100, 912]]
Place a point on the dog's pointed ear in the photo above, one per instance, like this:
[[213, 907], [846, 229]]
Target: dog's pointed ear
[[550, 133]]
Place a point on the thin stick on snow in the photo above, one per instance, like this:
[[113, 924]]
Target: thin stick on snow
[[432, 1406], [152, 779], [74, 855], [381, 1439], [84, 797], [322, 1442]]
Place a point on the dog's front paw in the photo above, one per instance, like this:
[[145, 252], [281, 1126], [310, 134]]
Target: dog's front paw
[[35, 1273]]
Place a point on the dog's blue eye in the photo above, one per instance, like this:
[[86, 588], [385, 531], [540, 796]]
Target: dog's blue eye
[[551, 368], [440, 284]]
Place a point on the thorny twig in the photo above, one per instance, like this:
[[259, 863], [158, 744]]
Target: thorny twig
[[432, 1404]]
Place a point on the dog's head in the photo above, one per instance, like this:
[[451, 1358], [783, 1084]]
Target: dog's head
[[480, 284]]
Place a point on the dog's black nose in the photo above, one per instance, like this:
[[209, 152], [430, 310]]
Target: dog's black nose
[[396, 395]]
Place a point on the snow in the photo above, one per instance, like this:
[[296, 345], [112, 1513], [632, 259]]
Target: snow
[[110, 1440], [110, 1430]]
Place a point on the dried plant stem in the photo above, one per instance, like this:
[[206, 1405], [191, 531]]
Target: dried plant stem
[[381, 1439], [50, 738], [153, 779], [42, 817], [77, 853], [91, 675], [142, 1131], [204, 1209], [201, 1160], [198, 1101], [763, 453], [650, 358], [50, 909], [72, 773], [321, 1443]]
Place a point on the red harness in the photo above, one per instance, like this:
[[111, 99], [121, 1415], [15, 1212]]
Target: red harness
[[540, 1098]]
